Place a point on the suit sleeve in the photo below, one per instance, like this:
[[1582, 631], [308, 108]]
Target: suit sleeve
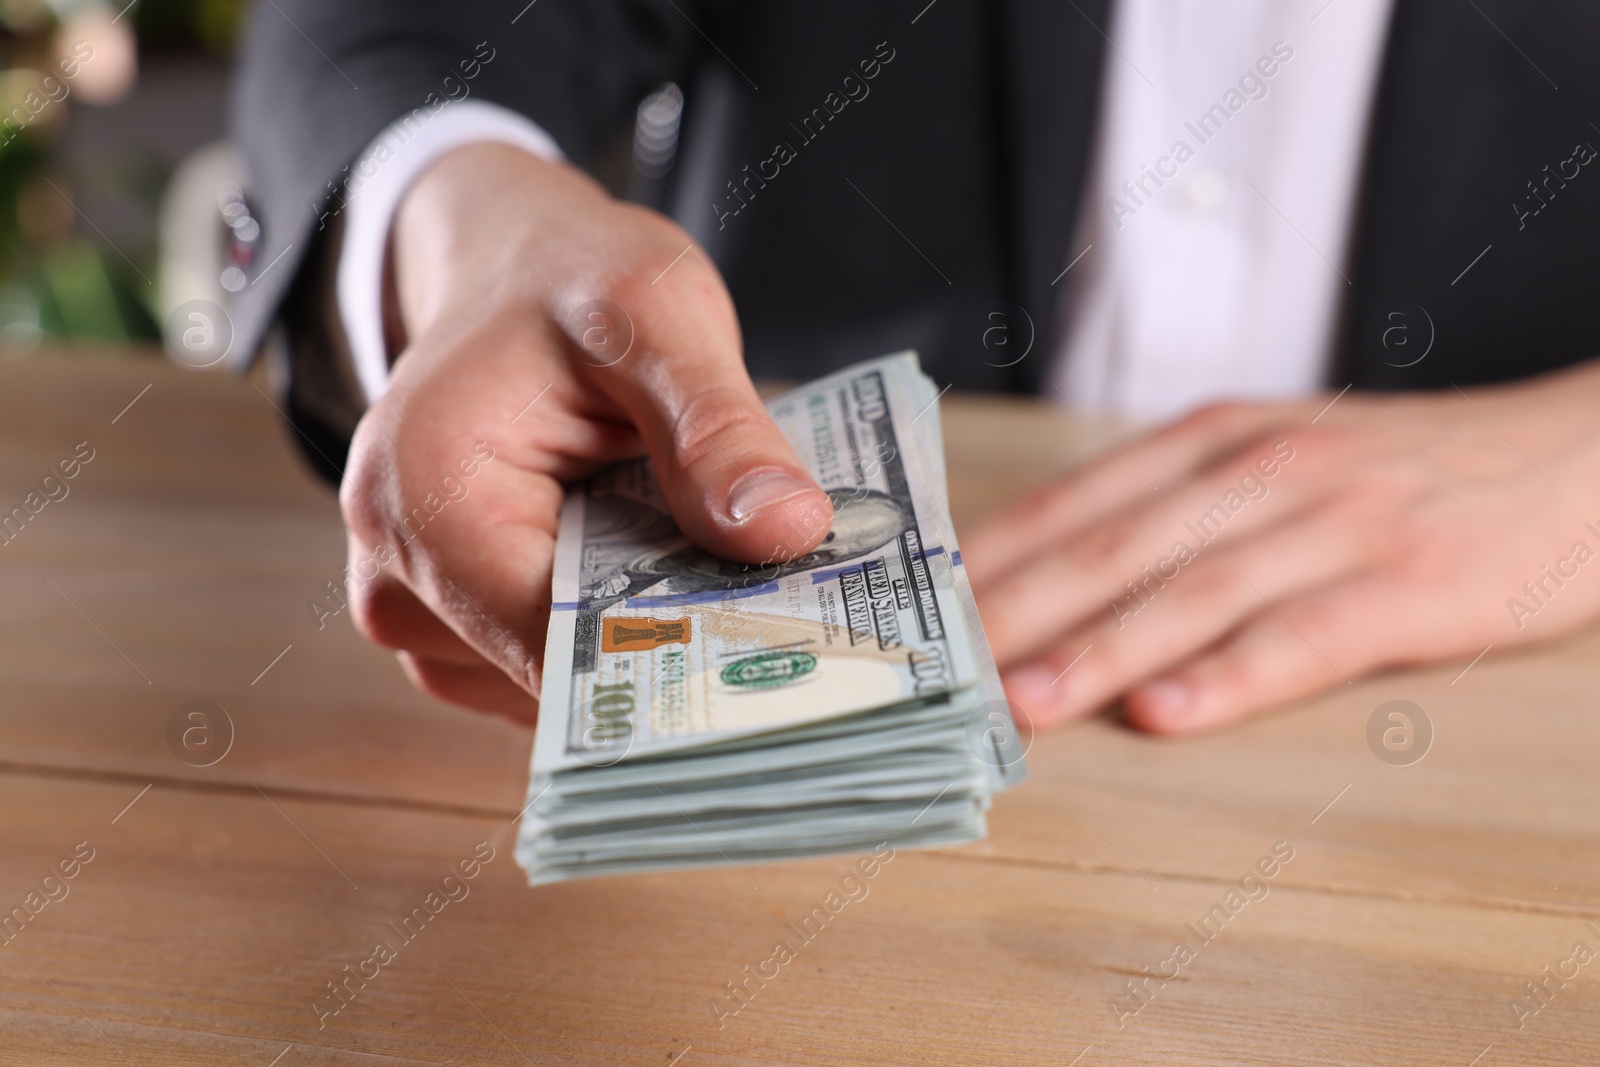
[[319, 80]]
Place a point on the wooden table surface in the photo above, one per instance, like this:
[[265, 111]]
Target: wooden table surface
[[220, 901]]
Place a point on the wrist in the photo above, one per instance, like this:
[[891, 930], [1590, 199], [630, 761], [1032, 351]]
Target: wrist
[[468, 233], [369, 302]]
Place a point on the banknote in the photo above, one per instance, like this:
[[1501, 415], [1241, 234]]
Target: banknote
[[656, 645], [698, 712]]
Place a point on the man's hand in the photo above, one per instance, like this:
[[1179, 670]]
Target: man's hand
[[553, 330], [1253, 554]]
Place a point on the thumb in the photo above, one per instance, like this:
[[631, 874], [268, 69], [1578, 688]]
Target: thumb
[[730, 477], [734, 484]]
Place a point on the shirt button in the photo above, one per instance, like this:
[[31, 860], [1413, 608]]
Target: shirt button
[[1205, 191]]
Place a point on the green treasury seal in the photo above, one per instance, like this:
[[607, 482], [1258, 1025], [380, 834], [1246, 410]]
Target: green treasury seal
[[768, 670]]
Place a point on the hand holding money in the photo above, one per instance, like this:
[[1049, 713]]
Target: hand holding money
[[697, 710], [555, 336]]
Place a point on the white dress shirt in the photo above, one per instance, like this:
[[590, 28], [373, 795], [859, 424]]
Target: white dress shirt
[[379, 179], [1210, 273], [1224, 280]]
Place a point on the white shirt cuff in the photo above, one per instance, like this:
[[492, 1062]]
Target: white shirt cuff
[[377, 181]]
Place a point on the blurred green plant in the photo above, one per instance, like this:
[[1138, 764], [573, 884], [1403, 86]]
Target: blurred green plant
[[61, 276], [210, 24]]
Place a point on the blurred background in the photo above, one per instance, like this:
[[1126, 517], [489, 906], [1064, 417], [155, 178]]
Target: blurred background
[[107, 115], [119, 193]]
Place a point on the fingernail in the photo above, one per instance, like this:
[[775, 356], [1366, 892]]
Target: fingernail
[[762, 490], [1033, 688], [1169, 700]]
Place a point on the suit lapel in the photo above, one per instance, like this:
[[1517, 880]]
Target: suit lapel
[[1049, 55]]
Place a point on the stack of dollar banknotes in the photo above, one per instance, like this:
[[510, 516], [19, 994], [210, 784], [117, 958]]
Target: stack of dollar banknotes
[[701, 712]]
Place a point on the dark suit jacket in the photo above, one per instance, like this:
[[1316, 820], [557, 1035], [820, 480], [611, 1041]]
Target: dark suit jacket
[[948, 193]]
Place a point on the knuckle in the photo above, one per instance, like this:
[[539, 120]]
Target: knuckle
[[658, 256], [372, 488], [376, 609], [1393, 485], [1088, 670], [1268, 454], [1218, 415], [1057, 660], [660, 268], [651, 226], [361, 490], [1320, 440], [1221, 586], [1224, 411], [628, 286], [1313, 623], [1083, 674], [1104, 547], [714, 423], [435, 679], [381, 498], [1236, 675]]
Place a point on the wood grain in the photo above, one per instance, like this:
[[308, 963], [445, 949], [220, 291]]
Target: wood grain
[[219, 904]]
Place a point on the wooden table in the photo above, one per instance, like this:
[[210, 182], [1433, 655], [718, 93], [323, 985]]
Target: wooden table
[[221, 900]]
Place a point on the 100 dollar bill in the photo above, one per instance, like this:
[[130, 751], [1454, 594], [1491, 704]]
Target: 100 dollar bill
[[655, 645]]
